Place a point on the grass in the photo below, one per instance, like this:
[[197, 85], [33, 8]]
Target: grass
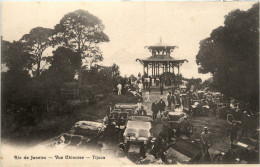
[[54, 126]]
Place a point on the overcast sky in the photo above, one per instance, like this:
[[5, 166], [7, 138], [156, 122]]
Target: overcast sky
[[130, 26]]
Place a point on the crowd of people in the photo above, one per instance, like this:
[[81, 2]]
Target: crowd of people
[[174, 102]]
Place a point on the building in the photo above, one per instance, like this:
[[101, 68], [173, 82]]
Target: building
[[161, 61]]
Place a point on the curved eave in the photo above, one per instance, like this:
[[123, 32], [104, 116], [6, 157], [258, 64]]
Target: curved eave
[[165, 60], [161, 46]]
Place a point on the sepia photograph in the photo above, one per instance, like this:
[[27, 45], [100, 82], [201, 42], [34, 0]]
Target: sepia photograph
[[129, 83]]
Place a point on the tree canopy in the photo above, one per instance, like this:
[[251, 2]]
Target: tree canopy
[[81, 32], [35, 43], [231, 55]]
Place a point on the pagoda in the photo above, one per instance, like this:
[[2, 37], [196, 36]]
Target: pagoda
[[161, 61]]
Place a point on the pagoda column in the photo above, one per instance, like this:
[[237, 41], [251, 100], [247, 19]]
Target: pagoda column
[[163, 67], [178, 69], [152, 69], [158, 69], [143, 69], [147, 69]]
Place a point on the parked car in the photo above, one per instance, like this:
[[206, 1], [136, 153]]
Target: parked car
[[138, 131], [120, 113], [198, 107], [118, 118], [183, 152], [129, 107], [88, 128]]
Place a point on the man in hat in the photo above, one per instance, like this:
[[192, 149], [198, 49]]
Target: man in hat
[[161, 88], [169, 99], [155, 109], [161, 105], [178, 101], [206, 141], [165, 121]]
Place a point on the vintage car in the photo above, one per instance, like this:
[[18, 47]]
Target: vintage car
[[138, 131], [182, 152], [177, 126], [193, 105], [129, 107], [88, 128], [198, 107], [118, 119], [120, 113], [83, 133]]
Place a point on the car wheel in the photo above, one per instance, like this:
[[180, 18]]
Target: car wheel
[[217, 113], [230, 118]]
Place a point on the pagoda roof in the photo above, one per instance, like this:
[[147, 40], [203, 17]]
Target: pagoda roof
[[161, 58], [161, 45]]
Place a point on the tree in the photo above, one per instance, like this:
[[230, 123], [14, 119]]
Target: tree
[[231, 55], [35, 43], [81, 32], [14, 57], [115, 70], [64, 64]]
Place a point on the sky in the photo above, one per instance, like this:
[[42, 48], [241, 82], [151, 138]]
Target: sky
[[130, 27]]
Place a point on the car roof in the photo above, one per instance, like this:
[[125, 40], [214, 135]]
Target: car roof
[[141, 118], [138, 125], [88, 125]]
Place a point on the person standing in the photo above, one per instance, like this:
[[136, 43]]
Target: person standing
[[178, 101], [245, 124], [148, 94], [155, 109], [159, 146], [206, 141], [140, 87], [169, 99], [165, 121], [109, 109], [161, 88], [119, 89], [143, 82], [150, 81], [139, 106], [233, 132], [173, 100], [161, 105]]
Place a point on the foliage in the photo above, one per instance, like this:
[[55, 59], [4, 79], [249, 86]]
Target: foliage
[[81, 32], [35, 43], [64, 64], [14, 57], [231, 55]]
